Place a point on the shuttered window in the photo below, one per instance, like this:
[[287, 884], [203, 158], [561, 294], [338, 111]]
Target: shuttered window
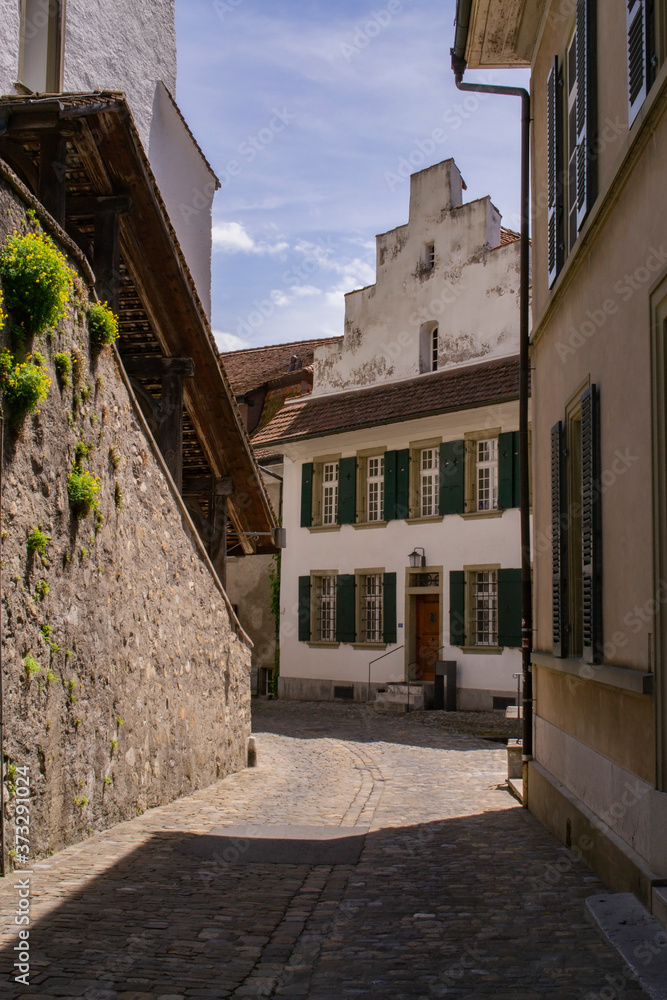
[[590, 526], [641, 53], [555, 157], [457, 608], [509, 608], [304, 609], [509, 492], [389, 608], [586, 106], [452, 477], [347, 490], [345, 609], [397, 485], [307, 494], [559, 581]]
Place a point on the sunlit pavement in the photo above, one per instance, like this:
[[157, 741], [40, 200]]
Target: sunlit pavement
[[431, 881]]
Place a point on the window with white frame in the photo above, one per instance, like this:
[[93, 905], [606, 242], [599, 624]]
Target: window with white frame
[[329, 492], [429, 481], [325, 608], [486, 474], [40, 56], [434, 350], [484, 610], [371, 608], [375, 488]]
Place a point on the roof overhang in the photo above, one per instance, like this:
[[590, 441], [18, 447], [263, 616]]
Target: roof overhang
[[497, 34]]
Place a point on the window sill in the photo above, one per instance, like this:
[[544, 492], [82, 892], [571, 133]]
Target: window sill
[[622, 678], [369, 645], [484, 650], [475, 515], [431, 519], [323, 645], [370, 524], [315, 528]]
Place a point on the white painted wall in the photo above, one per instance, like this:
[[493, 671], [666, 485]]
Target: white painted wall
[[451, 543], [130, 46], [187, 186], [472, 292]]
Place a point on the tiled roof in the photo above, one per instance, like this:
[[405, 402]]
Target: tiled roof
[[253, 367], [440, 392], [508, 236]]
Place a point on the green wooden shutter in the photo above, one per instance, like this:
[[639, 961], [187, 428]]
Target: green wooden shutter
[[347, 490], [457, 608], [304, 609], [590, 527], [559, 580], [452, 477], [509, 608], [389, 608], [508, 470], [345, 608], [390, 486], [402, 509], [555, 166], [306, 494], [586, 109]]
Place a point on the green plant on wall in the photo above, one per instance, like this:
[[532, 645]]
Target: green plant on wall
[[41, 590], [118, 497], [37, 541], [63, 366], [37, 281], [82, 491], [102, 326], [31, 666], [25, 384]]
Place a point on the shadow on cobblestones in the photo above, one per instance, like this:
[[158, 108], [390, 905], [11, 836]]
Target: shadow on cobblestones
[[486, 905]]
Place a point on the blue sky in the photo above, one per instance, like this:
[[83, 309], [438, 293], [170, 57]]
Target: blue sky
[[312, 114]]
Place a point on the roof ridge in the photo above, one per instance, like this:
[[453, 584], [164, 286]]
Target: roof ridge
[[287, 343]]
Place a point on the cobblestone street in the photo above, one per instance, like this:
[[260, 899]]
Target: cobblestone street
[[456, 890]]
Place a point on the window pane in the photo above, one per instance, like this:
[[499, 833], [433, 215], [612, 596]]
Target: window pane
[[327, 609], [487, 474], [371, 612], [429, 481], [485, 609], [330, 493]]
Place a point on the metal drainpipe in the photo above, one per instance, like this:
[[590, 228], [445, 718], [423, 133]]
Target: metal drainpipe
[[459, 67]]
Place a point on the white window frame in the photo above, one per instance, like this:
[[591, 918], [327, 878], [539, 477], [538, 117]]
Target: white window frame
[[32, 25], [486, 474], [429, 481], [483, 608], [434, 350], [371, 609], [375, 488], [325, 607], [330, 493]]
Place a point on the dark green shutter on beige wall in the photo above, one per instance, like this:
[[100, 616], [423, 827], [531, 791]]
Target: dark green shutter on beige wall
[[347, 490], [457, 608], [508, 470], [591, 527], [389, 608], [345, 608], [559, 582], [304, 609], [452, 477], [306, 494], [509, 608]]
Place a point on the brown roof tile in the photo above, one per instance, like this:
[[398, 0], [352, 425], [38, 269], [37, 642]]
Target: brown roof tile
[[440, 392], [253, 367], [508, 236]]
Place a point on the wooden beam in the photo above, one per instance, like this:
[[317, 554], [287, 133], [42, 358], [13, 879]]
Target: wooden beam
[[90, 205], [52, 174], [20, 162], [208, 486], [106, 257], [170, 426], [217, 544], [158, 367]]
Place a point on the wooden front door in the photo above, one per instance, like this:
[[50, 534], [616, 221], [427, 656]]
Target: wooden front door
[[427, 638]]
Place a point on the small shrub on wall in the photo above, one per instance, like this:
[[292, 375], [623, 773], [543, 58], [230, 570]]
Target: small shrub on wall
[[102, 326], [82, 490], [25, 385], [37, 281]]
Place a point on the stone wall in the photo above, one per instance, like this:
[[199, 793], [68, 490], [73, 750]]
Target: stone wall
[[143, 692]]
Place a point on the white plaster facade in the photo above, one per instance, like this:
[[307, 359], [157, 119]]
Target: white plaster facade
[[471, 293], [469, 289], [129, 46], [450, 543]]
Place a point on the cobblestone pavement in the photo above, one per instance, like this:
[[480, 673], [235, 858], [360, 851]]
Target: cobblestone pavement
[[457, 890]]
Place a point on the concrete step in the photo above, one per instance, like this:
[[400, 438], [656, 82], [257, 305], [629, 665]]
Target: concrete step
[[638, 937]]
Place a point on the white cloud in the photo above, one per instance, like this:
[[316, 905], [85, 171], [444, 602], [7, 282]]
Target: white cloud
[[232, 237], [304, 291], [230, 342]]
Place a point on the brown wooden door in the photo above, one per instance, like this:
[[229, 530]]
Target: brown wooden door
[[427, 636]]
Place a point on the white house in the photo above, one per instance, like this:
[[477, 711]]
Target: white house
[[75, 46], [408, 447]]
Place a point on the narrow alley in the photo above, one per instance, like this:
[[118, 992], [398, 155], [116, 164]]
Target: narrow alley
[[418, 876]]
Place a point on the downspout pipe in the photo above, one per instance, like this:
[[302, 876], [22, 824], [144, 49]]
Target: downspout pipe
[[459, 67]]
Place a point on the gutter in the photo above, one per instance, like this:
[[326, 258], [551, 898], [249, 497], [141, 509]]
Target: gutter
[[459, 67]]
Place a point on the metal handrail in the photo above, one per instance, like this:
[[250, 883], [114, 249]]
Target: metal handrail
[[368, 692]]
